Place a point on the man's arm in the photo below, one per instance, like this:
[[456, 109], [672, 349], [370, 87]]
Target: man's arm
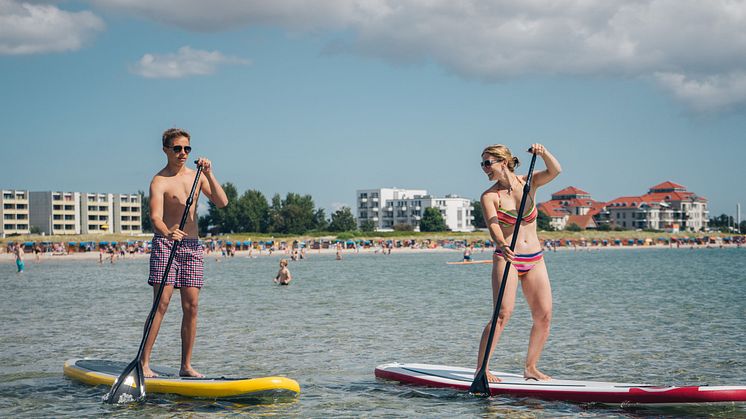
[[210, 186]]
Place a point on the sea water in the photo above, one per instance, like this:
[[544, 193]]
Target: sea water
[[657, 316]]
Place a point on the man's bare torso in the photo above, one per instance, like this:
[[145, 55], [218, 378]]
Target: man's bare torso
[[175, 190]]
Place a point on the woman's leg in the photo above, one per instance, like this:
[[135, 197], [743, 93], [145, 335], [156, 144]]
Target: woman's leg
[[538, 293], [506, 309]]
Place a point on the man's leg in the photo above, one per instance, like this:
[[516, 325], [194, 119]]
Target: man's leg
[[189, 307], [155, 327]]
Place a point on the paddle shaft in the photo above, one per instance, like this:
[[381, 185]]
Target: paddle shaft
[[174, 247], [481, 377]]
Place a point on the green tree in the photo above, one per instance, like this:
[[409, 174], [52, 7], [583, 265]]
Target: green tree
[[319, 220], [604, 227], [227, 219], [276, 223], [368, 226], [478, 214], [147, 225], [432, 220], [293, 215], [253, 211], [342, 220], [543, 221], [573, 227]]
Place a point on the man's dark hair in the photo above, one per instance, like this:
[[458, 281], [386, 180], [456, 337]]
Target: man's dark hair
[[172, 133]]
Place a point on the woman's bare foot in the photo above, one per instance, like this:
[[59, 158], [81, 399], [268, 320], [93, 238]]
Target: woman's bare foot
[[147, 372], [532, 373], [491, 378], [190, 372]]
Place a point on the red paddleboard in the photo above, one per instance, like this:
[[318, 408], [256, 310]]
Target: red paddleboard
[[564, 390]]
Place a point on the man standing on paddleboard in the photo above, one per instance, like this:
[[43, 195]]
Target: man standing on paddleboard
[[169, 191]]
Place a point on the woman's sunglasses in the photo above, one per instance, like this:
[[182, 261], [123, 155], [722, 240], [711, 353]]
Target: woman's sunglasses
[[488, 163], [177, 149]]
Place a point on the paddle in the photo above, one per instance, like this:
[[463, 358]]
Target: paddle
[[481, 386], [130, 386]]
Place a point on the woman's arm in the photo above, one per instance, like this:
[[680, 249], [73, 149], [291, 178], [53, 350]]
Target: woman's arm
[[489, 210], [553, 167]]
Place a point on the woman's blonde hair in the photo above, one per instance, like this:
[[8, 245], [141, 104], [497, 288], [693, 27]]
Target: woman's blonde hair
[[502, 153], [283, 262]]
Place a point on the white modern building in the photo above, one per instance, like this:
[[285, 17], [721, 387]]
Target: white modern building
[[96, 213], [388, 207], [127, 214], [14, 211], [55, 213]]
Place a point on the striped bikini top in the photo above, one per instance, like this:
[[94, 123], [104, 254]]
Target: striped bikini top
[[509, 217]]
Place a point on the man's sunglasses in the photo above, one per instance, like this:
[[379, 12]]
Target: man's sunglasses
[[177, 149], [488, 163]]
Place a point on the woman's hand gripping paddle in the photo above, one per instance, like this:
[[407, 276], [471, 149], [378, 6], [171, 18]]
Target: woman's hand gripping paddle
[[130, 386], [481, 385]]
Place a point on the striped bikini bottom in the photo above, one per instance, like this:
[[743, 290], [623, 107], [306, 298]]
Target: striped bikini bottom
[[524, 262]]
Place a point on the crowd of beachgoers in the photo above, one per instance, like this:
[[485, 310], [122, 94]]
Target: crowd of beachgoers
[[218, 247]]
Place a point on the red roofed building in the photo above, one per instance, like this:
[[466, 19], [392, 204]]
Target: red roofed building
[[573, 206], [666, 206]]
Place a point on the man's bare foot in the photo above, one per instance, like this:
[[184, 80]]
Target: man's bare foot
[[532, 373], [147, 372], [190, 372]]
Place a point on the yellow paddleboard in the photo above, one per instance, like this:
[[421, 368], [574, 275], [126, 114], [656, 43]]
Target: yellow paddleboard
[[103, 372]]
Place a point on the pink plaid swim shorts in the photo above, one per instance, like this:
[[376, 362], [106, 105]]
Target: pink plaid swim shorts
[[187, 269]]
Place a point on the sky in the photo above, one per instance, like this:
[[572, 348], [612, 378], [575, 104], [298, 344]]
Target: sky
[[326, 97]]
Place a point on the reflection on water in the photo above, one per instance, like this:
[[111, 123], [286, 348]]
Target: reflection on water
[[662, 316]]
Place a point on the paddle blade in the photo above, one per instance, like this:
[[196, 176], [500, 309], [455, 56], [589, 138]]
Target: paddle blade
[[480, 386], [129, 387]]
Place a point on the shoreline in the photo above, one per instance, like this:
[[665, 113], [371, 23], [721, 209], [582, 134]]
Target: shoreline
[[94, 256]]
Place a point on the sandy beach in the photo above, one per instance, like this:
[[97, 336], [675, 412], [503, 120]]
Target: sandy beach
[[478, 253]]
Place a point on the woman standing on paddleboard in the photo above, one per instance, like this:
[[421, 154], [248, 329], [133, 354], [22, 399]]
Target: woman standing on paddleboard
[[500, 205]]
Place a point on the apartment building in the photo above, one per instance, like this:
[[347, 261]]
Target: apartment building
[[55, 213], [14, 212], [127, 214], [387, 207], [666, 206], [96, 213]]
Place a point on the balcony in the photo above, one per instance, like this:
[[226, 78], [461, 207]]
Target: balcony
[[363, 200], [374, 199], [374, 218], [375, 209], [417, 208]]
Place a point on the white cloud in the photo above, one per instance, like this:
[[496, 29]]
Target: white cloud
[[492, 40], [184, 63], [709, 93], [32, 28]]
